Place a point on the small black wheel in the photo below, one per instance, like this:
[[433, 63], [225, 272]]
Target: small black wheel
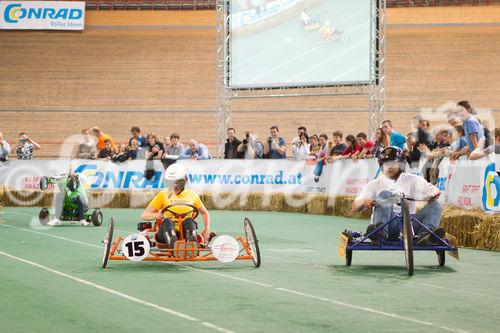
[[441, 257], [44, 216], [348, 257], [252, 242], [407, 237], [107, 242], [96, 217], [44, 183]]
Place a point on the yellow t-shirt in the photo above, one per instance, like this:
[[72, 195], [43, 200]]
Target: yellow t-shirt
[[166, 198]]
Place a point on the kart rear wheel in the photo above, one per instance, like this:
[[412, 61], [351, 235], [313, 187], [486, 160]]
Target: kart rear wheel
[[96, 217], [107, 242], [44, 183], [44, 216], [252, 242], [348, 257], [441, 257], [407, 237]]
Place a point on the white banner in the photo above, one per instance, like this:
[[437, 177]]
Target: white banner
[[465, 183], [42, 15]]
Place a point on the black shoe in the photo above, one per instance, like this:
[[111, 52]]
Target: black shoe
[[425, 238], [376, 237], [191, 238], [348, 234], [171, 240]]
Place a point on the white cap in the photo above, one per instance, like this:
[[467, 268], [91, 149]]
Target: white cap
[[175, 171]]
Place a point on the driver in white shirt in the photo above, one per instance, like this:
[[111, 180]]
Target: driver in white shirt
[[394, 181]]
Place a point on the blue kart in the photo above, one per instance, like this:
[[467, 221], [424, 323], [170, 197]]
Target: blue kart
[[407, 240]]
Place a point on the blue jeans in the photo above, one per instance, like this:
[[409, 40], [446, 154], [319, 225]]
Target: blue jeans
[[318, 169], [429, 215]]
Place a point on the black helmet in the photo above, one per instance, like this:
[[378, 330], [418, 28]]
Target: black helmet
[[391, 153], [73, 183]]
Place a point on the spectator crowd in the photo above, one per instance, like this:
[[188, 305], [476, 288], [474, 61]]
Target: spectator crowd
[[465, 135]]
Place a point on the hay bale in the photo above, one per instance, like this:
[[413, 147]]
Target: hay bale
[[141, 199], [255, 201], [318, 204], [229, 201], [296, 202], [330, 204], [343, 207], [206, 198], [109, 199], [22, 198], [486, 233], [461, 223]]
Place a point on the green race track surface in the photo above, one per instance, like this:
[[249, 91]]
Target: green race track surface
[[51, 281]]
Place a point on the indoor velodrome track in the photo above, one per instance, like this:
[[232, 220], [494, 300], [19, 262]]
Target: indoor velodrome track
[[55, 276]]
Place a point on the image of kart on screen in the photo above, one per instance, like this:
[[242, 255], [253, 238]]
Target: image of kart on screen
[[322, 25]]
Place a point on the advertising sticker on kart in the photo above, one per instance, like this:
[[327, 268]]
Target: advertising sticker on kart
[[135, 247], [225, 248]]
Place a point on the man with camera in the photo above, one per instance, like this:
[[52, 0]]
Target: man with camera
[[251, 147], [25, 147], [231, 146], [4, 149], [276, 146]]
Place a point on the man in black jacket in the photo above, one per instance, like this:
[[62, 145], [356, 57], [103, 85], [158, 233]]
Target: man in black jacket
[[231, 146]]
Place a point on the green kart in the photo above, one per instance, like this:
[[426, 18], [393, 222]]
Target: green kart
[[71, 189]]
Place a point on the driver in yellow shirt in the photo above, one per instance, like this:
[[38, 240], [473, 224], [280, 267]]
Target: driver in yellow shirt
[[176, 194]]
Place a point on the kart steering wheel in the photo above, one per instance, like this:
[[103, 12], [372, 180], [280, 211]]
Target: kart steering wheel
[[193, 211]]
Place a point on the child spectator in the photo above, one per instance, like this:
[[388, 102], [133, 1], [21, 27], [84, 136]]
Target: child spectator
[[365, 147], [87, 148], [122, 155], [107, 152], [133, 149], [136, 135], [336, 146], [351, 148], [323, 150]]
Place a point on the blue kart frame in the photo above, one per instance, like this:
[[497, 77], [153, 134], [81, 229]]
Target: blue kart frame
[[362, 242]]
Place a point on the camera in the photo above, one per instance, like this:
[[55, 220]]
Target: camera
[[245, 141]]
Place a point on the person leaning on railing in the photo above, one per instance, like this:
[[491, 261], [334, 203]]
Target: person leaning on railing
[[494, 148]]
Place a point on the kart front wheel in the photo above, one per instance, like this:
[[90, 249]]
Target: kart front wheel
[[96, 218], [44, 216], [441, 258], [44, 183], [407, 237], [107, 242], [252, 242], [348, 257]]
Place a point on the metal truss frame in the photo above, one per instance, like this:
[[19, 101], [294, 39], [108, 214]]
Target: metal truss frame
[[374, 89]]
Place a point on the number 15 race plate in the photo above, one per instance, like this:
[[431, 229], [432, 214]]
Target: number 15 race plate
[[135, 247]]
